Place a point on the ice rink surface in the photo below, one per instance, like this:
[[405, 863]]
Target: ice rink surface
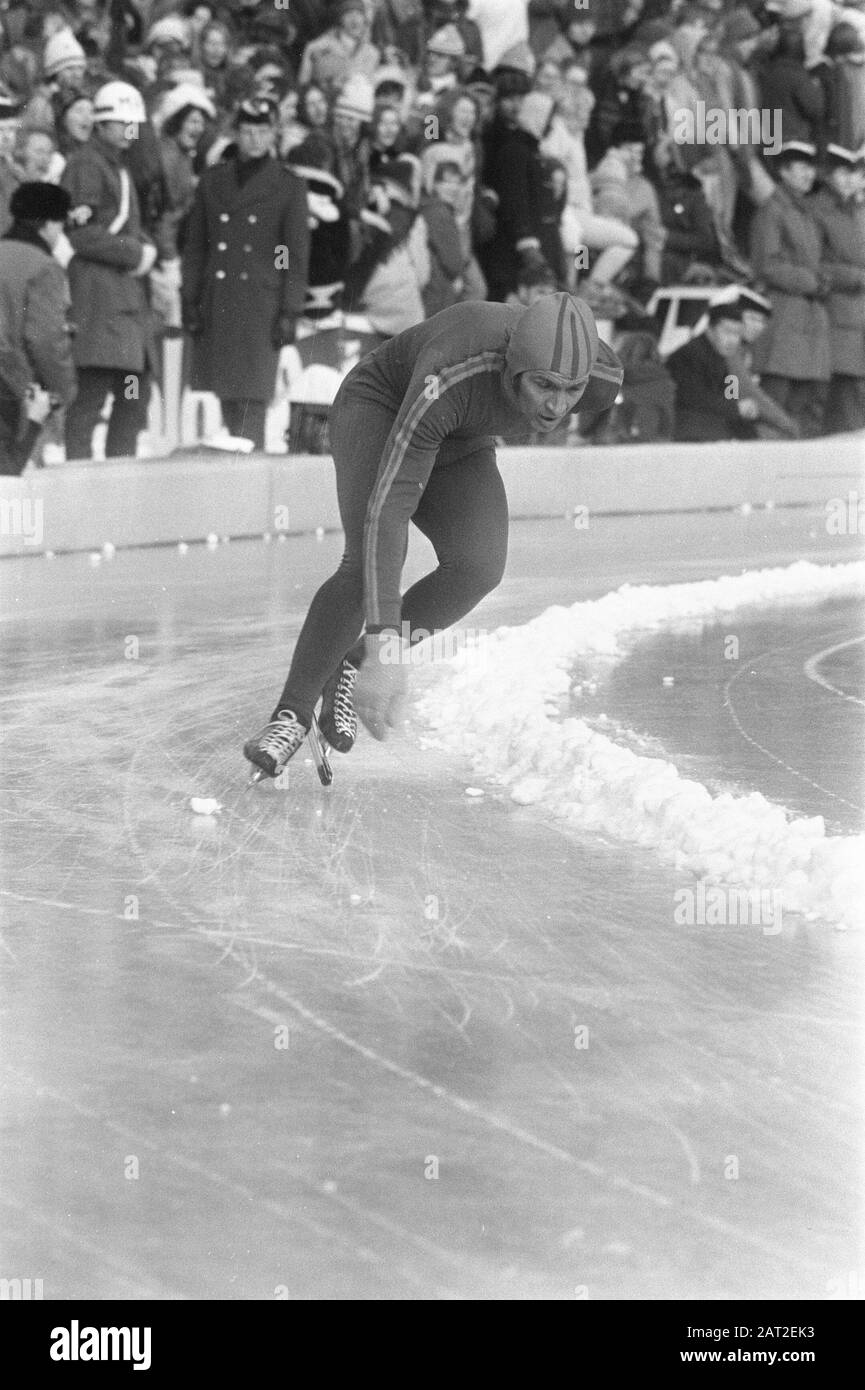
[[388, 1040]]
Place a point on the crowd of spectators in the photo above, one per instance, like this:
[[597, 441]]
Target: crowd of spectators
[[238, 167]]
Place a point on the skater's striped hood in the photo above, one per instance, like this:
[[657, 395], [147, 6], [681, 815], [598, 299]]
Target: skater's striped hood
[[556, 336]]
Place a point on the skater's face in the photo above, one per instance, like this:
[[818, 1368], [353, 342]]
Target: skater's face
[[545, 402]]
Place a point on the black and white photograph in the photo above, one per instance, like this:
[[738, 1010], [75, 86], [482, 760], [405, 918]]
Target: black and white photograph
[[432, 620]]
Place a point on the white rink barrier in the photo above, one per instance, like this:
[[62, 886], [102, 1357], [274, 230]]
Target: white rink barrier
[[189, 497]]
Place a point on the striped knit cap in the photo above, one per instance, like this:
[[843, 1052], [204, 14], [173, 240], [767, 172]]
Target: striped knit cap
[[557, 336]]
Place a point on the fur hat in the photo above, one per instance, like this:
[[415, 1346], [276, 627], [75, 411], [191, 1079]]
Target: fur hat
[[40, 202], [356, 99], [185, 96], [62, 51], [448, 41], [171, 29]]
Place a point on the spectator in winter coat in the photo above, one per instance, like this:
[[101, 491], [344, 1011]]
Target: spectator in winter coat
[[455, 12], [73, 123], [64, 65], [793, 357], [644, 411], [688, 224], [313, 107], [10, 120], [845, 124], [840, 219], [387, 280], [445, 51], [182, 123], [786, 86], [620, 191], [458, 116], [772, 422], [351, 114], [113, 340], [706, 406], [582, 228], [554, 196], [224, 83], [398, 26], [244, 272], [621, 97], [387, 137], [514, 171], [438, 210], [671, 98], [314, 161], [815, 18], [341, 52], [35, 348]]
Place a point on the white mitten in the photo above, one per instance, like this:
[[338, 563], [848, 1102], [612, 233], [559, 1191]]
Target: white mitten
[[63, 250], [147, 262]]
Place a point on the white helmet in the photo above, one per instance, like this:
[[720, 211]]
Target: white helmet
[[119, 101]]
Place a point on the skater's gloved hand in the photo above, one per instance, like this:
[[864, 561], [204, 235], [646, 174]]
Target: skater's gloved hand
[[284, 332], [382, 685]]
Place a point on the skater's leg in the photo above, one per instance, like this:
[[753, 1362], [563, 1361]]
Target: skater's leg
[[358, 434], [464, 512]]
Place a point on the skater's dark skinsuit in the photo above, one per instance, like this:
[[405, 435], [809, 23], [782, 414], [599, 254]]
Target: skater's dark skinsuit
[[412, 432]]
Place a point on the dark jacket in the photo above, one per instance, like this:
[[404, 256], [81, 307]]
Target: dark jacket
[[786, 250], [34, 334], [329, 235], [843, 257], [244, 270], [785, 85], [446, 255], [514, 171], [703, 410], [686, 215], [110, 310]]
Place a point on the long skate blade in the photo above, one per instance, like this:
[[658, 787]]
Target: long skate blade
[[319, 753]]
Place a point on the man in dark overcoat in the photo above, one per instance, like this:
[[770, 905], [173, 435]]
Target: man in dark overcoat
[[710, 404], [839, 215], [793, 356], [244, 272], [113, 343]]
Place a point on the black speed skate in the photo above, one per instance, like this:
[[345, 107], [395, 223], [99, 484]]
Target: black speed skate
[[277, 742], [337, 717]]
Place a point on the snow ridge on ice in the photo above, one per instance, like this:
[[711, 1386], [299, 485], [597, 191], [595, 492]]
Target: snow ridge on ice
[[502, 712]]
